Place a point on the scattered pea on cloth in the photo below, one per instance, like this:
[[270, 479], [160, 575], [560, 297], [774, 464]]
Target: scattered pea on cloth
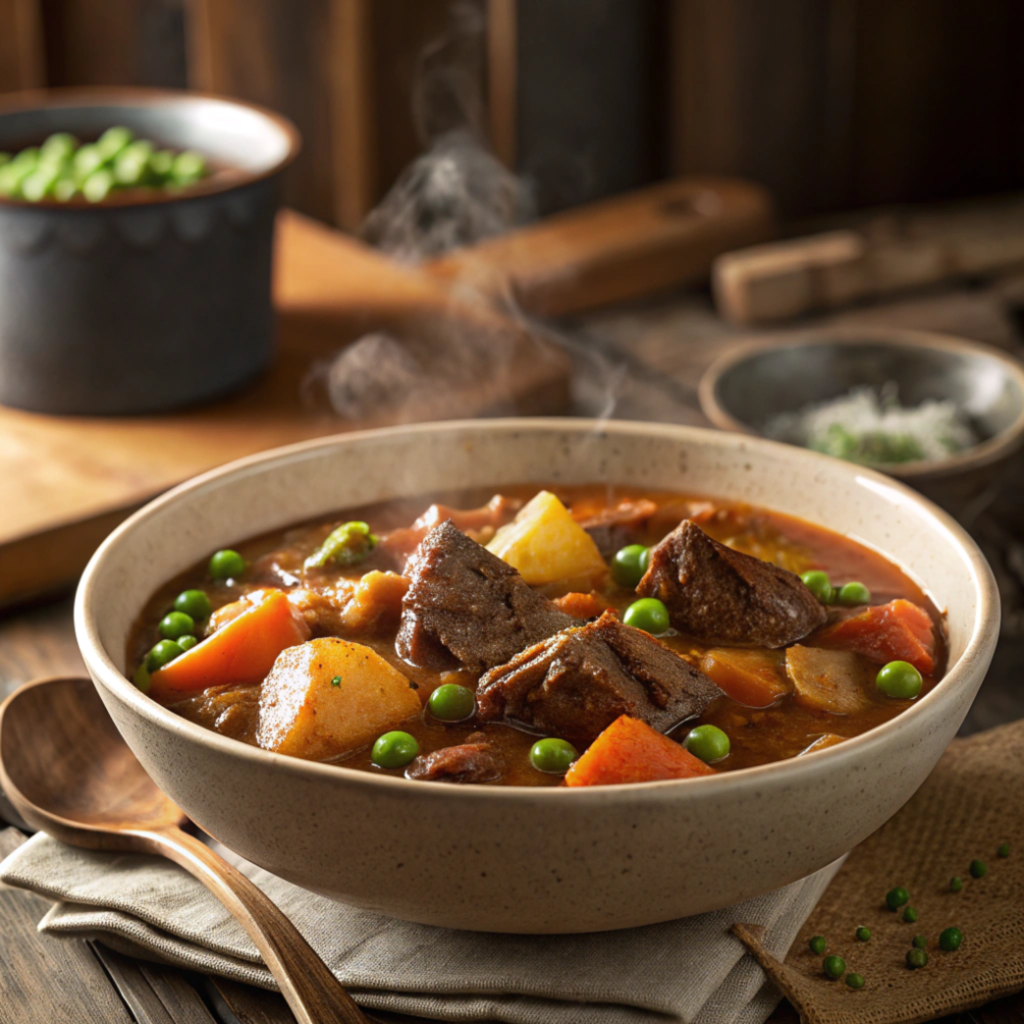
[[961, 811], [62, 168]]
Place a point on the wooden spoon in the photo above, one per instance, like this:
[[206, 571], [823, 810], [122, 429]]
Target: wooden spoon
[[67, 772]]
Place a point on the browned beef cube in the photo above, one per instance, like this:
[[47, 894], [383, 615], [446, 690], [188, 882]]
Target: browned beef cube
[[577, 683], [466, 763], [720, 596], [467, 607], [618, 525]]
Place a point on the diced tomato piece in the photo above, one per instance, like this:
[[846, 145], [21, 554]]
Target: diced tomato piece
[[631, 751], [582, 606], [897, 631], [755, 678], [243, 650]]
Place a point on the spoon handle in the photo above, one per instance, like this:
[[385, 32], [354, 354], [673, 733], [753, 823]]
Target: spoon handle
[[312, 992]]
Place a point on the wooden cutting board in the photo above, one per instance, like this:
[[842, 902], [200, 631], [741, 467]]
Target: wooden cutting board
[[67, 481]]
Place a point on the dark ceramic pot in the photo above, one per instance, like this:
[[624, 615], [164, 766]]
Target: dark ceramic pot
[[151, 301]]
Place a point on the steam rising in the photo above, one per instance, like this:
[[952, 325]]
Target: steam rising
[[456, 194]]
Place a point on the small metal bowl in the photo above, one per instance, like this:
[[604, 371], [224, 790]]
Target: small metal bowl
[[750, 385], [155, 299]]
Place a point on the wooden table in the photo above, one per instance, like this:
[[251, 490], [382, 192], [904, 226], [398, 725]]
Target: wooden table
[[664, 346]]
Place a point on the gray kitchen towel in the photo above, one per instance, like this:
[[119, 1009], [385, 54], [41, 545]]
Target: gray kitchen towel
[[692, 971]]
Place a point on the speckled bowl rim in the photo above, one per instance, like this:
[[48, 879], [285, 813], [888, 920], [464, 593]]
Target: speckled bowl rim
[[141, 97], [984, 454], [981, 640]]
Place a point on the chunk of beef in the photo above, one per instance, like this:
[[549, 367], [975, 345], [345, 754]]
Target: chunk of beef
[[724, 597], [466, 606], [618, 525], [577, 683], [465, 763]]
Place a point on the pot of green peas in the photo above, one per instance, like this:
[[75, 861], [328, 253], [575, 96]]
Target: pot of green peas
[[136, 231], [64, 169]]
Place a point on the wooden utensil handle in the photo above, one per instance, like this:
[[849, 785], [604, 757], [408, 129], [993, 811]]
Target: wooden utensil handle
[[620, 248], [312, 992]]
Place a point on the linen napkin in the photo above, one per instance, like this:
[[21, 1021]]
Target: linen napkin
[[693, 971]]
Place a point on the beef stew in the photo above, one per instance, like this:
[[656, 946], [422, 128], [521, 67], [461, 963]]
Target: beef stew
[[355, 640]]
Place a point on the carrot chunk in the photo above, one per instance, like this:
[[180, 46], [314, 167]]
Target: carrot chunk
[[243, 650], [629, 750], [897, 631], [752, 677], [581, 606]]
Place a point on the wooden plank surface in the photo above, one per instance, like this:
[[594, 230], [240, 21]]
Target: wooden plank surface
[[44, 979], [153, 994]]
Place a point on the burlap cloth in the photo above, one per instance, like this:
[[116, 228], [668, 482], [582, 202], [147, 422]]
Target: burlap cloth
[[971, 804]]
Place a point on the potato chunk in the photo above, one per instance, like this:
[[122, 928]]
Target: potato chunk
[[834, 681], [327, 697], [545, 544]]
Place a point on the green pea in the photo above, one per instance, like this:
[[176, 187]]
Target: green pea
[[88, 159], [899, 679], [161, 162], [855, 980], [39, 185], [552, 756], [854, 593], [113, 140], [818, 944], [920, 941], [979, 869], [818, 583], [131, 166], [194, 603], [226, 565], [896, 898], [162, 654], [58, 147], [916, 959], [648, 614], [629, 565], [188, 168], [175, 624], [11, 177], [65, 189], [707, 742], [452, 703], [1004, 850], [956, 883], [910, 915], [950, 939], [97, 186], [28, 157], [834, 967], [864, 934], [186, 643], [141, 678], [394, 749]]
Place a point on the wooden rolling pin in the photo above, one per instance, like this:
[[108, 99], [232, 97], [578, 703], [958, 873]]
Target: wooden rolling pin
[[622, 248], [785, 279]]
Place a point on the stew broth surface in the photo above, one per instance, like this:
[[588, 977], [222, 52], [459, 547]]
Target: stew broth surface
[[757, 735]]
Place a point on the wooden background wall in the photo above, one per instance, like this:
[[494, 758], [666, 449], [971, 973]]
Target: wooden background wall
[[833, 104]]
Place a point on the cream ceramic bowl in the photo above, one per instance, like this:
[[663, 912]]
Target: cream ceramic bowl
[[518, 859]]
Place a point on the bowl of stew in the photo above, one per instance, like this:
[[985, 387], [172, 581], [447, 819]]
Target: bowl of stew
[[539, 676], [142, 288]]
